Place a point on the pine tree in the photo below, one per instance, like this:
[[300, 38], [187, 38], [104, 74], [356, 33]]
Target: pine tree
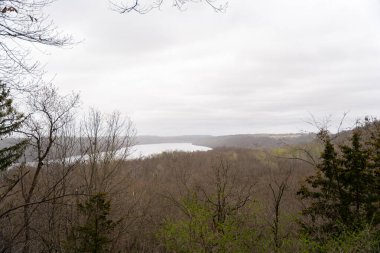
[[328, 202], [373, 205], [356, 179], [10, 121], [93, 236], [342, 195]]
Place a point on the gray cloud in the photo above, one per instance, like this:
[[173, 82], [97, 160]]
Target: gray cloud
[[261, 67]]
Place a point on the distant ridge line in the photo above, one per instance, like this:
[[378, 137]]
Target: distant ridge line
[[236, 141]]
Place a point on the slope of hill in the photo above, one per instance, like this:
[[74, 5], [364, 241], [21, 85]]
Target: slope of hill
[[234, 141]]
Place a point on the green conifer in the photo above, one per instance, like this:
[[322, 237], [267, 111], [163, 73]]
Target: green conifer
[[343, 194], [94, 235], [10, 121]]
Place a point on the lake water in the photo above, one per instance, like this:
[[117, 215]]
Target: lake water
[[146, 150]]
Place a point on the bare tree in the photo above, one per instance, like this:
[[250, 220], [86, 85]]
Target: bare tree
[[278, 188], [215, 206], [22, 25], [105, 141], [50, 113], [79, 163], [143, 6], [230, 191], [63, 165]]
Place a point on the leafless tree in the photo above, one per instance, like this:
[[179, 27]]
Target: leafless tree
[[105, 141], [225, 189], [24, 25], [144, 6], [64, 163], [50, 113], [278, 188], [231, 190]]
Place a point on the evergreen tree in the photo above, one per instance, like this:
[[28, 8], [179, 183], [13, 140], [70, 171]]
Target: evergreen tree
[[10, 121], [343, 193], [94, 235], [328, 202], [373, 205], [357, 179]]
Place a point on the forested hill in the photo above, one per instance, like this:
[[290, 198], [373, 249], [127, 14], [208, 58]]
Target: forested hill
[[255, 141], [234, 141]]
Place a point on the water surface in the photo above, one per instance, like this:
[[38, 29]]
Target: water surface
[[147, 150]]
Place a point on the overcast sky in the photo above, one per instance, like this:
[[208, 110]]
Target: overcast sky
[[263, 66]]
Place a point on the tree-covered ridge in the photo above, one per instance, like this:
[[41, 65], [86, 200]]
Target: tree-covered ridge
[[223, 200]]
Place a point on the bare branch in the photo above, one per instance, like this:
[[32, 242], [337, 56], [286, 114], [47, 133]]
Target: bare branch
[[143, 7]]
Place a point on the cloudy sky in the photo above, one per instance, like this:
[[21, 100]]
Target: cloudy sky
[[263, 66]]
